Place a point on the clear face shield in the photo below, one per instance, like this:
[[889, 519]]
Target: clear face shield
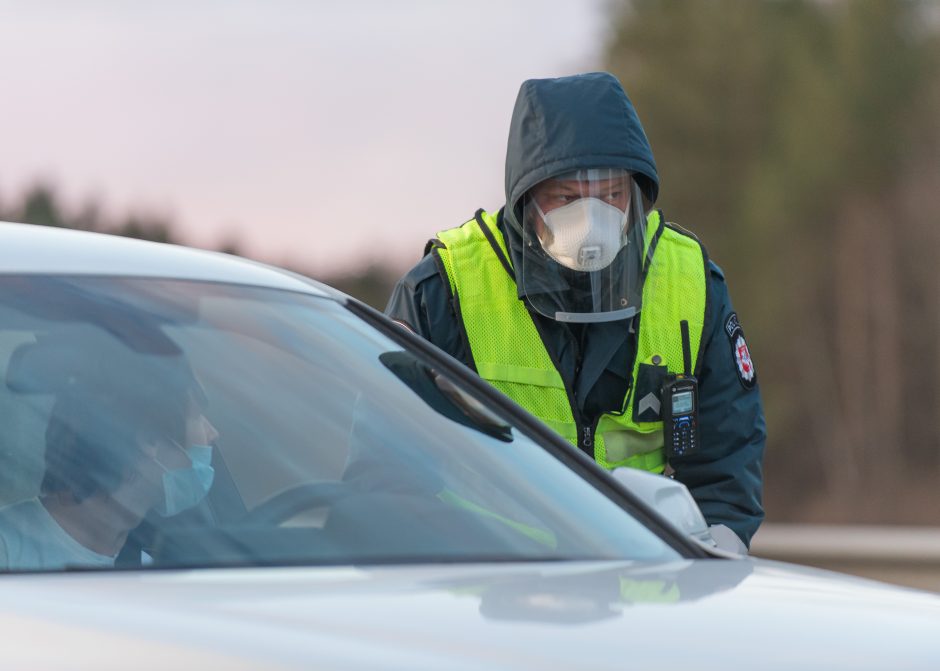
[[584, 234]]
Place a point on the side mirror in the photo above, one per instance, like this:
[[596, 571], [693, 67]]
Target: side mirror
[[672, 500]]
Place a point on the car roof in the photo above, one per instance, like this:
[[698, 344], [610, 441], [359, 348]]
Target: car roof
[[44, 250]]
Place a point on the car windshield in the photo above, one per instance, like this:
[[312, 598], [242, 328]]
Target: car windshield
[[164, 423]]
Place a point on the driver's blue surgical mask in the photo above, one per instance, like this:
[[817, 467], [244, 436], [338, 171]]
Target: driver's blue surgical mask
[[186, 487]]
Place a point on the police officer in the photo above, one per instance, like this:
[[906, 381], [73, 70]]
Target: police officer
[[569, 299]]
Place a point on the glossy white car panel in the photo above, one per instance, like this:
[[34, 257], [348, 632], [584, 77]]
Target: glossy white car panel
[[703, 614], [41, 250]]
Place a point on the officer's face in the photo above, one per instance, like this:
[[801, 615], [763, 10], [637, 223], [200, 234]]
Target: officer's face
[[554, 193]]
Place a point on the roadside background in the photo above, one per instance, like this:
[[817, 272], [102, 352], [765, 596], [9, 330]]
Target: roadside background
[[800, 139]]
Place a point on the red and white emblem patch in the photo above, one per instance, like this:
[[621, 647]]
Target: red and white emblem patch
[[740, 352], [742, 357]]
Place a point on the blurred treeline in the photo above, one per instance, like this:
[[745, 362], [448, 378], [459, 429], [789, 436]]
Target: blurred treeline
[[801, 140], [41, 204]]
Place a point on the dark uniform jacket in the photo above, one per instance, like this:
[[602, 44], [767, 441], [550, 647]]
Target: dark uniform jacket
[[597, 359]]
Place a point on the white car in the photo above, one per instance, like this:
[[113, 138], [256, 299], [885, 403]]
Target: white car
[[209, 463]]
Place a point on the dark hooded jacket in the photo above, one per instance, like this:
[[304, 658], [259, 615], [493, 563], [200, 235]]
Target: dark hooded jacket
[[585, 121]]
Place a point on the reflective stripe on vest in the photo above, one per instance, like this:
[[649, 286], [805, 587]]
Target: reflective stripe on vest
[[510, 355]]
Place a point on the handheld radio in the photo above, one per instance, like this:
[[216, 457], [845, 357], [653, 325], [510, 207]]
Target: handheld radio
[[680, 405]]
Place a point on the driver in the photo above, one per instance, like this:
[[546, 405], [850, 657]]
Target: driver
[[115, 451]]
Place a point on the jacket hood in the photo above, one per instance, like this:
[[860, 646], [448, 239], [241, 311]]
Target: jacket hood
[[568, 123]]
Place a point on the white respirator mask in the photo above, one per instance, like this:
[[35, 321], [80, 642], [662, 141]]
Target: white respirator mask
[[586, 234]]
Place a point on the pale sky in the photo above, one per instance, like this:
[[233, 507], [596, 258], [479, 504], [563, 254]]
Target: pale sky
[[314, 133]]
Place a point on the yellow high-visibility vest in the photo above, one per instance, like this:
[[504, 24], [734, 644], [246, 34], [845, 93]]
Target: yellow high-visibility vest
[[510, 355]]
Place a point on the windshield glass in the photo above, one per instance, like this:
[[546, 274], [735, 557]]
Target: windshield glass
[[163, 423]]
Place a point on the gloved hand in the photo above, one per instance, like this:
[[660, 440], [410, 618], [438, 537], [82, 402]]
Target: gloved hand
[[726, 539]]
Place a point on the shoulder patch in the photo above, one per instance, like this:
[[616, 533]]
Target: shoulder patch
[[743, 363]]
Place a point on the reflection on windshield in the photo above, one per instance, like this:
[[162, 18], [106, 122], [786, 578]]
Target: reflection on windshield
[[589, 594], [153, 423], [444, 396]]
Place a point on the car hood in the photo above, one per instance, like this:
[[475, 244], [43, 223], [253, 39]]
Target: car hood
[[702, 614]]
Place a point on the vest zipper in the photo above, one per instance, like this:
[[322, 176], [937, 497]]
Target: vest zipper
[[585, 429], [587, 438], [585, 434]]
